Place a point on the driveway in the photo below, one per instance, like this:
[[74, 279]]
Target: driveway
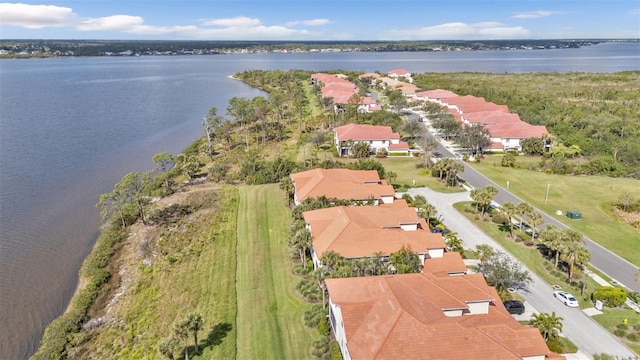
[[584, 332]]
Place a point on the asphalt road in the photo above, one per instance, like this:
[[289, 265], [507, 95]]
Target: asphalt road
[[602, 259], [585, 333]]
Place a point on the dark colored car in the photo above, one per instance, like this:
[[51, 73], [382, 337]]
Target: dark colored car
[[440, 230], [514, 307]]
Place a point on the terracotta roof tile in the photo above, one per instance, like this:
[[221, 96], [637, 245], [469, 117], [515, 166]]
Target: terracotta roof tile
[[402, 145], [340, 184], [516, 130], [365, 132], [450, 263], [399, 72], [491, 117], [362, 231], [401, 317], [436, 94]]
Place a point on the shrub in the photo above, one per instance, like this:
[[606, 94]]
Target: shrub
[[622, 326], [313, 315], [336, 354], [320, 347], [634, 296], [382, 153], [633, 337], [554, 345], [619, 332], [610, 296], [323, 328], [500, 218]]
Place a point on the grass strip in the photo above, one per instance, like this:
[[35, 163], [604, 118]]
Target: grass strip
[[591, 195], [270, 312]]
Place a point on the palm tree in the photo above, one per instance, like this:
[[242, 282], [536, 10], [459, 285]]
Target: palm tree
[[575, 253], [535, 218], [166, 347], [419, 202], [523, 210], [181, 330], [453, 242], [552, 238], [332, 259], [301, 240], [452, 173], [194, 324], [548, 325], [429, 211], [510, 210], [286, 185], [319, 275]]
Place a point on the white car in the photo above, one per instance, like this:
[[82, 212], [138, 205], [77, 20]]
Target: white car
[[566, 298]]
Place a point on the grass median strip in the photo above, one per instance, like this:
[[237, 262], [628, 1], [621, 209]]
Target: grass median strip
[[270, 313]]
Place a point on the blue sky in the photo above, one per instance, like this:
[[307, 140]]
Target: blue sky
[[319, 20]]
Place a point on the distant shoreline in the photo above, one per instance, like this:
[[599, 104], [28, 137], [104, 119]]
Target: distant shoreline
[[24, 49]]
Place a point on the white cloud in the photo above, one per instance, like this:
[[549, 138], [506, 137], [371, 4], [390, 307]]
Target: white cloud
[[240, 21], [237, 28], [459, 31], [110, 23], [35, 16], [312, 22], [244, 33], [533, 14]]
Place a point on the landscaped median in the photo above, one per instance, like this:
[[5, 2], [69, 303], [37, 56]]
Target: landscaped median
[[531, 257]]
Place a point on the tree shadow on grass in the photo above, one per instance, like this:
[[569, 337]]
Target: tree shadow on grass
[[217, 334]]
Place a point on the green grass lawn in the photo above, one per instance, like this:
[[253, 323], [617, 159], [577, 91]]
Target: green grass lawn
[[270, 313], [591, 195], [612, 319]]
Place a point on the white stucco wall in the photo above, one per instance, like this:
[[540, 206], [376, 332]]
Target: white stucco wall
[[338, 329]]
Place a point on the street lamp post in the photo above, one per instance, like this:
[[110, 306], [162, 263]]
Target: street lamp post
[[546, 197]]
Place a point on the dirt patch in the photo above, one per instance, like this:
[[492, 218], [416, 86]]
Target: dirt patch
[[631, 218]]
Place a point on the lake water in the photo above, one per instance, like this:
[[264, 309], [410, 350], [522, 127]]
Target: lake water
[[71, 128]]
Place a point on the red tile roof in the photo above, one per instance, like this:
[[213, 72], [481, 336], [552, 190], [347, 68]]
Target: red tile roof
[[491, 117], [470, 104], [362, 231], [450, 263], [362, 132], [401, 146], [436, 94], [340, 184], [516, 130], [401, 317], [398, 72]]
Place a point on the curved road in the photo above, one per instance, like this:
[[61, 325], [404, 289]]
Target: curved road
[[585, 333], [602, 259]]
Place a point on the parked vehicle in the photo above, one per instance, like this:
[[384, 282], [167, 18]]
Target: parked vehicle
[[566, 298], [514, 307], [440, 230]]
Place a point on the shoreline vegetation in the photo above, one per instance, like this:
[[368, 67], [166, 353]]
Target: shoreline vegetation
[[18, 49], [209, 232]]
